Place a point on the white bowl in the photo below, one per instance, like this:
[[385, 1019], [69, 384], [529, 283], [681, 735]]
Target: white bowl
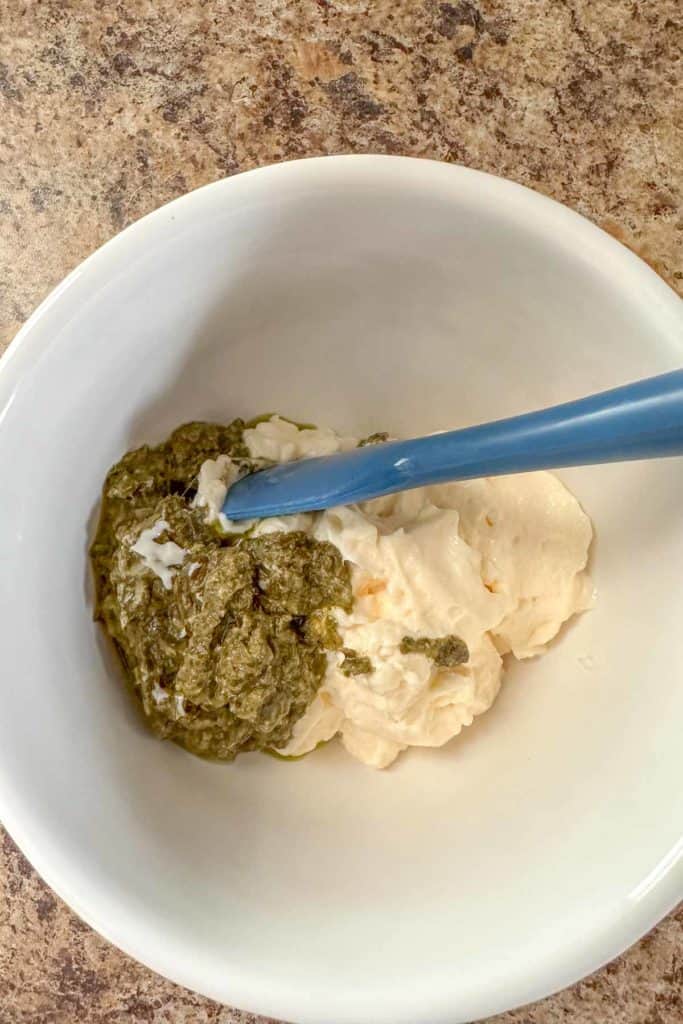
[[363, 293]]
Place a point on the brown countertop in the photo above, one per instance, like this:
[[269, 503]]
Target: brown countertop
[[109, 110]]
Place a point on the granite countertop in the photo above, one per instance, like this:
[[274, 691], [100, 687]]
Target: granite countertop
[[109, 110]]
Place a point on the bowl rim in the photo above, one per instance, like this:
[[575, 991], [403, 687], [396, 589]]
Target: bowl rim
[[656, 895]]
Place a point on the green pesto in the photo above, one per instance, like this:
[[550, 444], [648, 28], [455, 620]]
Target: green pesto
[[445, 651], [355, 664], [229, 658], [378, 438]]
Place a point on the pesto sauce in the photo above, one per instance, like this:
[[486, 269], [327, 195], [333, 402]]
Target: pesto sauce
[[355, 664], [229, 658], [445, 651], [379, 438]]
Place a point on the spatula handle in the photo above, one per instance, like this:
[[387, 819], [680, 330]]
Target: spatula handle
[[643, 420]]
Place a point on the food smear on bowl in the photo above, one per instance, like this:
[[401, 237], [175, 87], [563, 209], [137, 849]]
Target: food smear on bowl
[[384, 623]]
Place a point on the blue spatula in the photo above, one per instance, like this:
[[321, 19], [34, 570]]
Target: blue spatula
[[639, 421]]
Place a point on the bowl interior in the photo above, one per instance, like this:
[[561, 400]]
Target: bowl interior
[[366, 295]]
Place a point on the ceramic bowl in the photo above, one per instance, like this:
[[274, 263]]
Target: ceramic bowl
[[365, 293]]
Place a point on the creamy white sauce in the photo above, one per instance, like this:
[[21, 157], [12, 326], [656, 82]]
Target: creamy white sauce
[[216, 476], [159, 696], [499, 562], [278, 440], [162, 559]]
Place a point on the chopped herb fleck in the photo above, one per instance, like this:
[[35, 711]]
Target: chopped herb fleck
[[445, 651], [378, 438], [355, 664]]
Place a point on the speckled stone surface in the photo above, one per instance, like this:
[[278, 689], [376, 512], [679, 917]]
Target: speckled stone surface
[[109, 109]]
